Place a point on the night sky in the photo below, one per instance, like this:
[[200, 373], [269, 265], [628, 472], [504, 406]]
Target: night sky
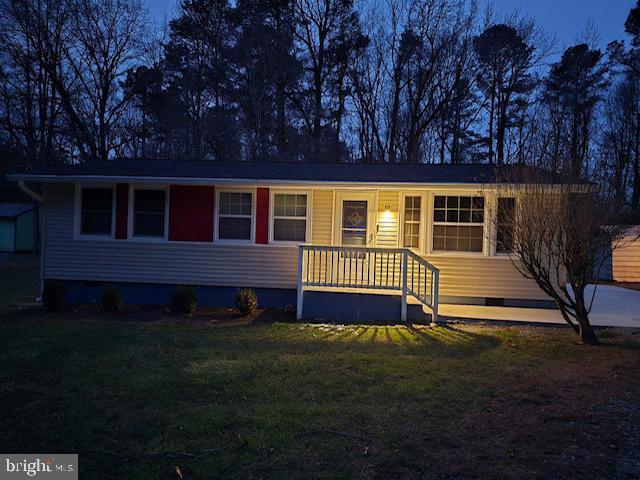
[[564, 18]]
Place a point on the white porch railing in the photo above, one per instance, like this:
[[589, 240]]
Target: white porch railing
[[389, 269]]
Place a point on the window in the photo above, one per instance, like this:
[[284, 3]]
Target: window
[[96, 216], [412, 222], [289, 217], [354, 223], [458, 224], [506, 211], [235, 211], [149, 213]]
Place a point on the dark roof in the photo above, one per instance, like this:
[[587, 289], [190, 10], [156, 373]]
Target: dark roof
[[321, 172], [11, 210]]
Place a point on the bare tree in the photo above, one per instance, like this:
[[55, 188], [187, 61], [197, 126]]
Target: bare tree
[[621, 141], [31, 110], [418, 55], [368, 82], [108, 38], [87, 52], [329, 36], [559, 233]]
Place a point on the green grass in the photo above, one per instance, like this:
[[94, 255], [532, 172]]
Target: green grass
[[280, 400], [18, 280]]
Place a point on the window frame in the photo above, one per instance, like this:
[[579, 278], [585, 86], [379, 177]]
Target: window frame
[[216, 225], [307, 217], [77, 220], [424, 224], [131, 213], [433, 223]]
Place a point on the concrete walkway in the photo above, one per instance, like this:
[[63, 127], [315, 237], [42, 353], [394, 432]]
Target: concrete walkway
[[613, 307]]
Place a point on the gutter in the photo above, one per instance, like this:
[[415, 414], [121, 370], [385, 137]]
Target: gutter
[[238, 181]]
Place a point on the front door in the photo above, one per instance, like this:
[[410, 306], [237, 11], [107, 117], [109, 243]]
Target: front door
[[355, 224]]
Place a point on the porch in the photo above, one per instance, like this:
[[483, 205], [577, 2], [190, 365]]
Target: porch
[[369, 271], [368, 278]]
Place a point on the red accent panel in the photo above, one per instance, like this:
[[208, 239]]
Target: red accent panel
[[191, 214], [122, 210], [262, 215]]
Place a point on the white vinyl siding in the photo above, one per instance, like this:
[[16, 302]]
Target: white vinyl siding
[[387, 227], [626, 260], [221, 264], [249, 265], [322, 212]]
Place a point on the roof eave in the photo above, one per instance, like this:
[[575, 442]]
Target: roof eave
[[224, 181]]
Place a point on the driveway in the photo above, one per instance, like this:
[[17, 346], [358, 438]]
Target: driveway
[[613, 307]]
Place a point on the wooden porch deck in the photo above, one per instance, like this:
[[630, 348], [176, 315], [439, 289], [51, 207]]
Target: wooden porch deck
[[362, 270]]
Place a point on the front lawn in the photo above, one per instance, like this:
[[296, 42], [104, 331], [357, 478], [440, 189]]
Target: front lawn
[[283, 400]]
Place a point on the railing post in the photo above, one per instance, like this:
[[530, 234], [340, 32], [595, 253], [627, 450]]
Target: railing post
[[434, 300], [403, 310], [300, 292]]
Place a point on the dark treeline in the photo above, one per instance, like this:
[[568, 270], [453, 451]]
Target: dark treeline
[[398, 81]]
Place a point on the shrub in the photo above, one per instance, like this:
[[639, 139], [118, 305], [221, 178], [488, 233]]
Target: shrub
[[111, 300], [53, 295], [246, 301], [185, 300]]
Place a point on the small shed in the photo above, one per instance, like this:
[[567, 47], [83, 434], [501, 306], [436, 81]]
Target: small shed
[[626, 260], [18, 227]]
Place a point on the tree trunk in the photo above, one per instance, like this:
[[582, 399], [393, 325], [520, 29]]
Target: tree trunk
[[587, 334], [395, 108], [575, 156], [500, 133], [491, 117]]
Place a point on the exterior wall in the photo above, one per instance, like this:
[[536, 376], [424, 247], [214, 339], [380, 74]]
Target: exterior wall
[[388, 219], [626, 262], [255, 265], [489, 277], [322, 217], [157, 262], [7, 235], [150, 294]]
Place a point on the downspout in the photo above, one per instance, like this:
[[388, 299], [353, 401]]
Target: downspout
[[41, 213], [29, 192]]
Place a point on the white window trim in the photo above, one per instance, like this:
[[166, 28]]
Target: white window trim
[[131, 214], [307, 217], [339, 197], [216, 229], [432, 223], [77, 214], [422, 237]]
